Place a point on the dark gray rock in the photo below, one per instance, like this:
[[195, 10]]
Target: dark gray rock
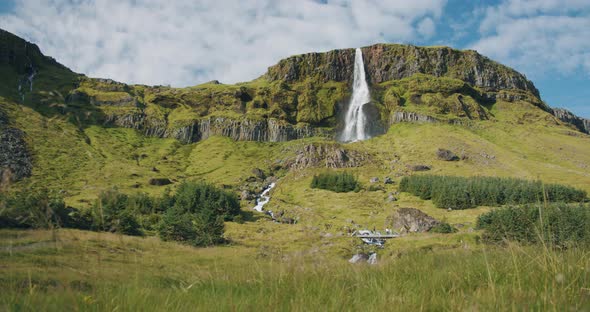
[[447, 155], [15, 159], [159, 181], [388, 180], [420, 168]]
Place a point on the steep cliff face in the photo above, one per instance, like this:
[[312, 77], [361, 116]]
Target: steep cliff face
[[564, 115], [385, 62]]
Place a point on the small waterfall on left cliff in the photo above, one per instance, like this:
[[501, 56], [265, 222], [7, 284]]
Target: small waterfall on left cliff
[[355, 122]]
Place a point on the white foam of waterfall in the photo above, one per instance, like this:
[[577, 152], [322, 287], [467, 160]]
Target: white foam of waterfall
[[264, 198], [355, 122], [30, 78]]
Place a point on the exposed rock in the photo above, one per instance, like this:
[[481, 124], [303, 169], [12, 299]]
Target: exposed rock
[[564, 115], [391, 198], [388, 180], [400, 116], [374, 180], [372, 258], [258, 173], [159, 181], [447, 155], [266, 130], [419, 168], [359, 258], [15, 159], [246, 195], [411, 220], [327, 155]]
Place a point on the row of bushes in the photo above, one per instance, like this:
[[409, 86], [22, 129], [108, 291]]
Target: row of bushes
[[339, 182], [194, 214], [463, 193], [559, 225]]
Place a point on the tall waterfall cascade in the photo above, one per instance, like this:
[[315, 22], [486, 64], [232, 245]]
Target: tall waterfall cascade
[[355, 122]]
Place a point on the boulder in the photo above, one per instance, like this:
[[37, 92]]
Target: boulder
[[411, 220], [359, 258], [374, 180], [420, 168], [388, 180], [159, 181], [246, 195], [391, 198], [446, 155], [258, 173], [372, 258]]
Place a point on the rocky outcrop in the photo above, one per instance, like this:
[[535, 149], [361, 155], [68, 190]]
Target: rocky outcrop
[[397, 117], [15, 159], [411, 220], [264, 130], [386, 62], [564, 115], [327, 155]]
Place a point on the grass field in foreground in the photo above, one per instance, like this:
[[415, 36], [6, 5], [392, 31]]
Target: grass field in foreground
[[76, 270]]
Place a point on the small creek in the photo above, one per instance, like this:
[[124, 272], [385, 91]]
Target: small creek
[[264, 198]]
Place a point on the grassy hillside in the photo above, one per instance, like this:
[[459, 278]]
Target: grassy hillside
[[98, 271]]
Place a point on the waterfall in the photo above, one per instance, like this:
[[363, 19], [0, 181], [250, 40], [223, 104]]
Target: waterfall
[[355, 122], [30, 78]]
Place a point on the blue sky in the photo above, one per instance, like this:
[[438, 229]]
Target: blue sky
[[186, 42]]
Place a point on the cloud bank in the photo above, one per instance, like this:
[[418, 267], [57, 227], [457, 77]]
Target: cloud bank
[[186, 42], [541, 37]]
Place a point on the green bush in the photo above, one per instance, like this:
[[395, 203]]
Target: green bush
[[198, 214], [556, 225], [444, 228], [463, 193], [340, 182], [39, 209], [114, 212], [194, 214]]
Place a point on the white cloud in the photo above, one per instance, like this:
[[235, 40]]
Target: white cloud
[[426, 27], [185, 42], [540, 37]]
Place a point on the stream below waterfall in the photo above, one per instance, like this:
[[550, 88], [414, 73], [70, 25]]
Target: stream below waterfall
[[264, 198]]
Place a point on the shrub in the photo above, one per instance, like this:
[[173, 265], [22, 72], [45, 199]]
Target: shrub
[[339, 182], [112, 213], [444, 228], [463, 193], [198, 214], [556, 225], [35, 209]]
